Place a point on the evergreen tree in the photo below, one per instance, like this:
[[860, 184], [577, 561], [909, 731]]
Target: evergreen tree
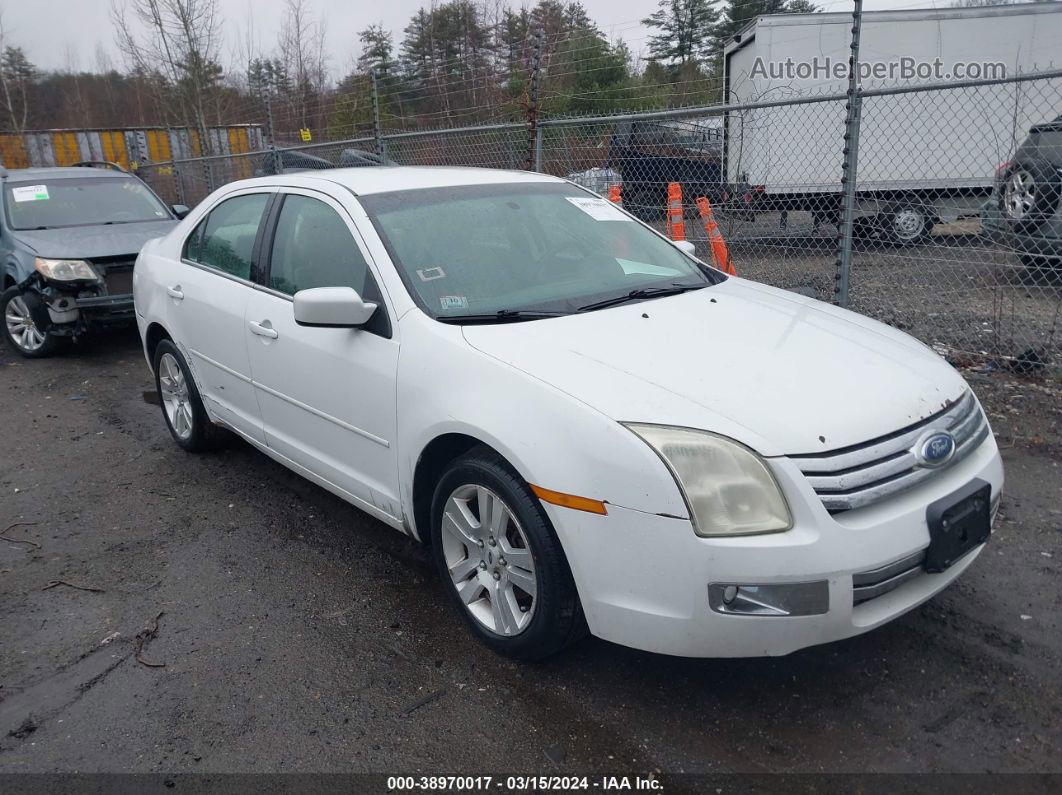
[[684, 31]]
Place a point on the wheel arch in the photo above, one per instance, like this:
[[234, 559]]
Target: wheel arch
[[155, 334], [431, 463]]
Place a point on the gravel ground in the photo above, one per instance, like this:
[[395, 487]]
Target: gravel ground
[[957, 291], [164, 612]]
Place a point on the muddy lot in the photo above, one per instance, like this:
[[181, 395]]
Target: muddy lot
[[167, 612]]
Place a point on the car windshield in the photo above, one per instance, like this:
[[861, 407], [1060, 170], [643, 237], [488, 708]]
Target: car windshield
[[80, 201], [480, 250]]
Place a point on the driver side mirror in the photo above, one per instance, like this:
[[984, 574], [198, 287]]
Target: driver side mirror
[[685, 246], [332, 307], [180, 210]]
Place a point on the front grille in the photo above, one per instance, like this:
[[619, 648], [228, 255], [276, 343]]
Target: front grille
[[864, 474], [117, 273]]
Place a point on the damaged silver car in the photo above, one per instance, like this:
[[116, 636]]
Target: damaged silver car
[[68, 241]]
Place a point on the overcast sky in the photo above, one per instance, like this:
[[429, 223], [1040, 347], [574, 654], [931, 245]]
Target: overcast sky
[[59, 34]]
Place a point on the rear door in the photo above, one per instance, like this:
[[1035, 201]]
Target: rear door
[[327, 395], [209, 294]]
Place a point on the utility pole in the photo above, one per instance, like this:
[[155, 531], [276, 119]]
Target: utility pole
[[853, 109], [534, 142]]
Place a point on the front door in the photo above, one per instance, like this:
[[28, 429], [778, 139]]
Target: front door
[[327, 395]]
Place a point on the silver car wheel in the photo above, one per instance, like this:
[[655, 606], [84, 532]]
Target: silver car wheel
[[20, 325], [489, 560], [908, 225], [176, 399], [1019, 194]]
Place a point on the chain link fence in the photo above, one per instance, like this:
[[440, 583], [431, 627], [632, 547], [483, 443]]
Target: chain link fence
[[956, 234]]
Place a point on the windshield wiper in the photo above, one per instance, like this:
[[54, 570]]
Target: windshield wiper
[[501, 316], [641, 293]]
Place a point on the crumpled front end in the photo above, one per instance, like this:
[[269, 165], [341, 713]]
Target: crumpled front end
[[71, 307]]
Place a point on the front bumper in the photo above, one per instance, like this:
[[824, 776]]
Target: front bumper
[[73, 308], [644, 579]]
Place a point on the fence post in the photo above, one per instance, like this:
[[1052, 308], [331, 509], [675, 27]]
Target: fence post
[[178, 182], [849, 168], [278, 165], [377, 127], [534, 134]]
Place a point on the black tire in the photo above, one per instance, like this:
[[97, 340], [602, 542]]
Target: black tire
[[907, 223], [645, 204], [1047, 270], [1029, 194], [557, 618], [203, 434], [38, 315]]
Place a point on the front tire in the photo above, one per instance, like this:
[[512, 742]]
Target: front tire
[[182, 406], [21, 311], [501, 561]]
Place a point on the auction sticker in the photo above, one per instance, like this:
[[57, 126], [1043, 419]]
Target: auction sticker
[[453, 302], [30, 193], [599, 209]]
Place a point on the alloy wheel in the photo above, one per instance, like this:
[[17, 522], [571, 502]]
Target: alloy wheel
[[176, 399], [489, 560], [1019, 195], [20, 325]]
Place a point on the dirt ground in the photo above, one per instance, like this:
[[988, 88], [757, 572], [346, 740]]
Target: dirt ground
[[164, 612]]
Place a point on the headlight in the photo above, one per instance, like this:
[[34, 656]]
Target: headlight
[[728, 488], [66, 270]]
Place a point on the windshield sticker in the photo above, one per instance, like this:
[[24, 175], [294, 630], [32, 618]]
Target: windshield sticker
[[30, 193], [430, 274], [453, 302], [599, 209]]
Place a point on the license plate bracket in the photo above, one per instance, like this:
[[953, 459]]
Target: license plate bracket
[[957, 524]]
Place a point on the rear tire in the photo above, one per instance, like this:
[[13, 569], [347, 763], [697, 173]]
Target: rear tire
[[182, 406], [20, 312], [525, 605], [907, 224]]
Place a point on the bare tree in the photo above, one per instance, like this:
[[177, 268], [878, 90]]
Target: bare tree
[[179, 49], [301, 55], [16, 74]]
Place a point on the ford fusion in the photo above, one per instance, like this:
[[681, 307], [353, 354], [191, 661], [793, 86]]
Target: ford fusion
[[591, 429]]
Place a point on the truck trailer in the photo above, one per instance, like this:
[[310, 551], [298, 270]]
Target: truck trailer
[[924, 155]]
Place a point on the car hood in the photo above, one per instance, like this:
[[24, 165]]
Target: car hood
[[781, 373], [90, 242]]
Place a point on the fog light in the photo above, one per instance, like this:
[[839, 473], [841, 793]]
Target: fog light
[[777, 599]]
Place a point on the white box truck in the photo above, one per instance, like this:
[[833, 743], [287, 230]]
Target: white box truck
[[923, 156]]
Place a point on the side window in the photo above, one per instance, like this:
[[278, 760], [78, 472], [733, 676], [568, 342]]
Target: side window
[[225, 239], [312, 247], [192, 244]]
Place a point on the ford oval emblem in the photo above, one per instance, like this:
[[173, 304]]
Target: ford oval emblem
[[935, 449]]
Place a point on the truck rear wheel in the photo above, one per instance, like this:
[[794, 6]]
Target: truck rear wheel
[[645, 204], [907, 223]]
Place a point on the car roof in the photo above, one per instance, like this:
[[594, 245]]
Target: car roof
[[366, 180], [62, 172]]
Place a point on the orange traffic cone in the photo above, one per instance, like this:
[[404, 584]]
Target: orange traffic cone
[[720, 253], [676, 227], [614, 194]]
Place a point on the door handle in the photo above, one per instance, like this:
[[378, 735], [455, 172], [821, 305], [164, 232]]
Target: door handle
[[262, 330], [175, 292]]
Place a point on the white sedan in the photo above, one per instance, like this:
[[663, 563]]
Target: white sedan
[[590, 428]]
